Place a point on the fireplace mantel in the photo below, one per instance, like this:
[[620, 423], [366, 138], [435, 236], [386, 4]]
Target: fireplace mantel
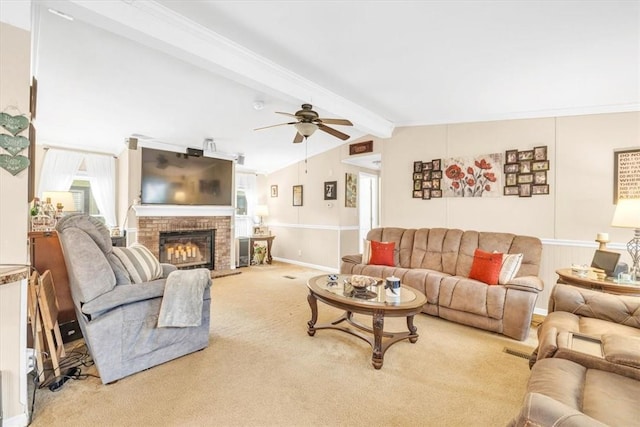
[[182, 210]]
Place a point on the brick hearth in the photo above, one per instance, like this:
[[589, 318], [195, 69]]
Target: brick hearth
[[149, 228]]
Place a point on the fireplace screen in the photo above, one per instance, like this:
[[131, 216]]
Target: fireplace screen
[[188, 249]]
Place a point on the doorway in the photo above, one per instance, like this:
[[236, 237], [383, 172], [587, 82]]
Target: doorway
[[369, 204]]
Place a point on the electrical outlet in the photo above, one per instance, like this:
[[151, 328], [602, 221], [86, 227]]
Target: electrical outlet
[[299, 252]]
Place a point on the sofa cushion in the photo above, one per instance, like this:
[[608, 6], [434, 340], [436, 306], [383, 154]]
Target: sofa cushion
[[486, 267], [382, 253], [366, 251], [121, 273], [139, 262], [472, 296], [510, 266]]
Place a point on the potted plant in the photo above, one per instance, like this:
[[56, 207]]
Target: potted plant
[[259, 252]]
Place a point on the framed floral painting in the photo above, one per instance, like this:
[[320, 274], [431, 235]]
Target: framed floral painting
[[479, 176]]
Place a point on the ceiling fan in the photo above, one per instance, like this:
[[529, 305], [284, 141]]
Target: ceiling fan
[[308, 122]]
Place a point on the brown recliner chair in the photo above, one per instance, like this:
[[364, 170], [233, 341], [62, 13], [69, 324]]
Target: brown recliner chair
[[586, 369]]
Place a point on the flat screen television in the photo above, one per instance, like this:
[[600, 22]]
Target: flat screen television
[[170, 178]]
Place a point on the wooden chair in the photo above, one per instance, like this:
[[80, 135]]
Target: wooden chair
[[35, 320], [49, 310]]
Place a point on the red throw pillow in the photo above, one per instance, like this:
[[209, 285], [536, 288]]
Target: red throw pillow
[[486, 267], [382, 253]]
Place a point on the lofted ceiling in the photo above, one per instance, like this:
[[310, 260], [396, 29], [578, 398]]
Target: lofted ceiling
[[177, 72]]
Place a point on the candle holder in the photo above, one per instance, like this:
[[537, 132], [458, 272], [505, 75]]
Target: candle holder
[[603, 244]]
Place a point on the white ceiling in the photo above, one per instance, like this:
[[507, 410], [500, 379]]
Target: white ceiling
[[182, 71]]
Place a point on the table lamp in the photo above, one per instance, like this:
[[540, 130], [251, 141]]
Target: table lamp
[[262, 211], [627, 215]]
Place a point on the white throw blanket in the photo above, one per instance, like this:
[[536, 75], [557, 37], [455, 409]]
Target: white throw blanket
[[182, 301]]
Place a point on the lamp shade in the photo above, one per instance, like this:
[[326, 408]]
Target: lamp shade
[[262, 210], [306, 129], [627, 214], [64, 198]]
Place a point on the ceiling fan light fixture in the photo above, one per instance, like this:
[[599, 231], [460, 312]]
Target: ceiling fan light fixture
[[306, 129]]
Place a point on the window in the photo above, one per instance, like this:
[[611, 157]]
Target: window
[[241, 202], [83, 198]]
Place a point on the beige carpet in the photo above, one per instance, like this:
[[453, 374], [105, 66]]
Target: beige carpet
[[262, 369]]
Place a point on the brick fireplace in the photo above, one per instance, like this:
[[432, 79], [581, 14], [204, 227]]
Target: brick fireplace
[[149, 228]]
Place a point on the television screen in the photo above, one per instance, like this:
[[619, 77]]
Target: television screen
[[177, 179]]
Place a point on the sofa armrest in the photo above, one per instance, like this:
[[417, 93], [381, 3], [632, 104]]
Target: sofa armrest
[[541, 410], [526, 283], [166, 269], [123, 294], [353, 259]]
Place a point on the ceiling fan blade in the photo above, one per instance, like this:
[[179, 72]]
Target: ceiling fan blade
[[342, 122], [286, 114], [298, 139], [272, 126], [331, 131]]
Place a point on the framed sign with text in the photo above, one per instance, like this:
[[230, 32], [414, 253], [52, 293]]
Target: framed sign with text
[[361, 148], [626, 174]]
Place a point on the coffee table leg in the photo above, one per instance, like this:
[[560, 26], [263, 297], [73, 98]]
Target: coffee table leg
[[313, 303], [378, 327], [412, 329]]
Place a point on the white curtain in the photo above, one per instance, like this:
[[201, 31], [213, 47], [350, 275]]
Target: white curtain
[[247, 183], [58, 169], [102, 172]]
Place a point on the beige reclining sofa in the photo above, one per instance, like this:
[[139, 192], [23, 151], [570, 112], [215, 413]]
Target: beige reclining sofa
[[438, 261]]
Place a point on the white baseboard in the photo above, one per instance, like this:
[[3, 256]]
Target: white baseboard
[[18, 421], [305, 264], [540, 311]]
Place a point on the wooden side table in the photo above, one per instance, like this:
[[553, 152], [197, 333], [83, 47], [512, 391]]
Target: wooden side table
[[590, 281], [268, 239]]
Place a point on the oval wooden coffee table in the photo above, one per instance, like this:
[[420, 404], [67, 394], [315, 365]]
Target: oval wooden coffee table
[[377, 304]]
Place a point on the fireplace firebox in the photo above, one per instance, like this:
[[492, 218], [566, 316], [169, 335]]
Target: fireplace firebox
[[188, 249]]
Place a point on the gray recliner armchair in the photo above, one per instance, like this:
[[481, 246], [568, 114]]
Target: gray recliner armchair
[[119, 320]]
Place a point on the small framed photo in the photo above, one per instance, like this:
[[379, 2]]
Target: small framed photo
[[436, 194], [436, 164], [417, 194], [511, 179], [435, 183], [417, 176], [511, 156], [417, 167], [525, 155], [511, 190], [330, 190], [512, 168], [260, 230], [417, 185], [524, 190], [426, 194], [525, 178], [427, 166], [426, 184], [426, 175], [540, 153], [297, 195], [525, 166], [540, 166], [436, 174], [274, 191], [540, 177], [540, 189]]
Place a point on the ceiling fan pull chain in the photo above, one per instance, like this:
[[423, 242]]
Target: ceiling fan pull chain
[[306, 143]]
